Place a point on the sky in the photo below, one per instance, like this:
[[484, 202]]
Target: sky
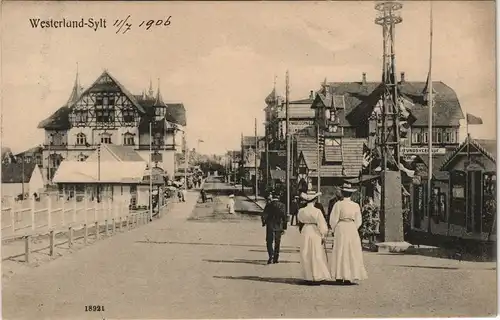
[[221, 59]]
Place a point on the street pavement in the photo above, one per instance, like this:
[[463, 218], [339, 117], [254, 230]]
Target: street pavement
[[206, 263]]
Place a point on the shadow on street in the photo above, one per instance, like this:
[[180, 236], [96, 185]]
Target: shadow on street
[[440, 268], [291, 281], [204, 244], [257, 262]]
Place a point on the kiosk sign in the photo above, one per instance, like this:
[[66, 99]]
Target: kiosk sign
[[409, 151]]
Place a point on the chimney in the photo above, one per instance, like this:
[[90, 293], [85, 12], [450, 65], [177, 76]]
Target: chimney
[[311, 95], [402, 77], [364, 78]]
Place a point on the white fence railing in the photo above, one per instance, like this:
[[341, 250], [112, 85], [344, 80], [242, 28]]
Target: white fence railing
[[52, 211]]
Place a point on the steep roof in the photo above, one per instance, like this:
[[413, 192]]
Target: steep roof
[[361, 98], [485, 146], [123, 153], [351, 157], [298, 110], [59, 120], [17, 172], [30, 151]]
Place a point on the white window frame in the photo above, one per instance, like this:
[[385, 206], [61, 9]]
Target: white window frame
[[81, 139], [106, 138]]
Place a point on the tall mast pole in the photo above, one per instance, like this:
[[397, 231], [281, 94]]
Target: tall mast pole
[[99, 173], [287, 173], [22, 176], [256, 172], [430, 100], [389, 139], [186, 159], [151, 169], [242, 165]]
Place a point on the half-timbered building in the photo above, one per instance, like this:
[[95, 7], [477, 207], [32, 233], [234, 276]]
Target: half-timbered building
[[108, 113]]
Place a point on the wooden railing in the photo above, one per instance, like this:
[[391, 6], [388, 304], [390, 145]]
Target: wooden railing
[[52, 214]]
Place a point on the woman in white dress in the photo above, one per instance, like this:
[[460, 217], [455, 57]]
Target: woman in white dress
[[314, 229], [346, 262], [231, 204]]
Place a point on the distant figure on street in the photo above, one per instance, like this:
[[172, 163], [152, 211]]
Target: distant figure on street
[[275, 220], [203, 195], [294, 210], [312, 252], [337, 196], [231, 204], [183, 192], [346, 262]]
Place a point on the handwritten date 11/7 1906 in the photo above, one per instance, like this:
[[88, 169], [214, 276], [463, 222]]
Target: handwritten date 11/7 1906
[[124, 25]]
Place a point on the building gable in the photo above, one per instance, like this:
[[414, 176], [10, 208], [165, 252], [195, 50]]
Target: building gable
[[472, 148], [17, 172]]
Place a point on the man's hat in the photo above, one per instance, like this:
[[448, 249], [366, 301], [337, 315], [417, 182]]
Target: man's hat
[[347, 187], [231, 196]]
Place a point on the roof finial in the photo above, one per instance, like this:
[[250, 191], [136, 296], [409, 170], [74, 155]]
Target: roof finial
[[151, 92], [159, 100]]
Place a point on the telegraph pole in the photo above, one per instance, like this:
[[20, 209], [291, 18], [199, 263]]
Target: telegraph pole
[[99, 173], [430, 192], [151, 171], [256, 172], [287, 173]]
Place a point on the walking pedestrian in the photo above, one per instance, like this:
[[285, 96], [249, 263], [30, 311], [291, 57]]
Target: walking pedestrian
[[231, 204], [346, 262], [184, 193], [313, 257], [203, 195], [275, 220], [337, 196], [294, 210]]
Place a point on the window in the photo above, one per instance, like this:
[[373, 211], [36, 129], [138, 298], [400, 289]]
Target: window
[[439, 136], [128, 115], [106, 115], [99, 101], [416, 136], [81, 139], [425, 137], [158, 140], [57, 139], [106, 138], [128, 139], [81, 116], [450, 135], [159, 113]]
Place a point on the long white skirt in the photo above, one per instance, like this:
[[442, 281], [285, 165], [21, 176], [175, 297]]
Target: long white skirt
[[346, 260], [313, 255]]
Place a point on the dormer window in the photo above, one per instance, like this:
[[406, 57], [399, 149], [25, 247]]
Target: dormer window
[[160, 113], [106, 138], [128, 139], [333, 128], [81, 139]]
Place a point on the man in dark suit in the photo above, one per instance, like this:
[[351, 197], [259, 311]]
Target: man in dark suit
[[337, 196], [275, 220], [294, 210]]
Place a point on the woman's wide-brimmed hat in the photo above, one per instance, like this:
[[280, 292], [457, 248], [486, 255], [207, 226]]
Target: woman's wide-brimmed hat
[[347, 187], [310, 195]]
